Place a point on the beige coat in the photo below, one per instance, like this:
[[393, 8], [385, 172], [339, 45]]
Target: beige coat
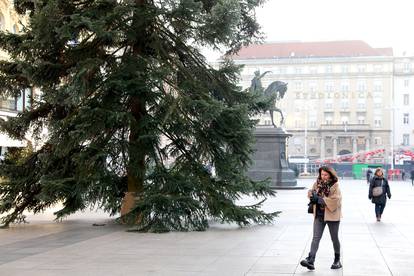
[[333, 203]]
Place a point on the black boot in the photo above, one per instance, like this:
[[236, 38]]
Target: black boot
[[308, 262], [337, 263]]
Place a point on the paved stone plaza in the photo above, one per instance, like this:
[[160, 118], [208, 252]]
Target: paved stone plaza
[[75, 247]]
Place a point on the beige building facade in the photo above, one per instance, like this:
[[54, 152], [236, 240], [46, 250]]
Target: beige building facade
[[9, 107], [403, 108], [9, 20], [339, 95]]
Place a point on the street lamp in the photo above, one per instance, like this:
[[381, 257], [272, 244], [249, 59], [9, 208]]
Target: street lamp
[[391, 108], [392, 137], [305, 167], [392, 125]]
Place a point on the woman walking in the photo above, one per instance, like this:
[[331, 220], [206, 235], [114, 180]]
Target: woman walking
[[326, 198], [378, 192]]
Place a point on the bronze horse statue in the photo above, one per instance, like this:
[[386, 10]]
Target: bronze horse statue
[[275, 92]]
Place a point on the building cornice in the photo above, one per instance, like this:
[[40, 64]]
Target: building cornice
[[313, 60], [327, 76]]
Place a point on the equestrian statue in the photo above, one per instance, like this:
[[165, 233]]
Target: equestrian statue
[[274, 92]]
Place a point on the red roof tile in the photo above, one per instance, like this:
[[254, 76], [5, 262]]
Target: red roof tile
[[351, 48]]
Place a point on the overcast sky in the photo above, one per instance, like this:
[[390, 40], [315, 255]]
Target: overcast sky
[[380, 23]]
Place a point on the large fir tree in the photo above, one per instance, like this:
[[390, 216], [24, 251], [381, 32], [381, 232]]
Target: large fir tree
[[132, 108]]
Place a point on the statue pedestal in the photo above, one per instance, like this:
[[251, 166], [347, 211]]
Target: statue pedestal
[[270, 160]]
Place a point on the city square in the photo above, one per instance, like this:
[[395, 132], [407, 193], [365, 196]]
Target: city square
[[206, 137], [75, 247]]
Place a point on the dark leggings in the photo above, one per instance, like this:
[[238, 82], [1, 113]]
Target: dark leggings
[[318, 227], [379, 208]]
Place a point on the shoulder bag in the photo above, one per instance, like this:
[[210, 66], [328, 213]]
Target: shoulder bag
[[379, 190]]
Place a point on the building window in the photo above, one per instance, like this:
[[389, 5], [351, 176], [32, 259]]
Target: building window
[[345, 87], [312, 124], [2, 25], [377, 95], [344, 68], [377, 102], [328, 103], [298, 70], [297, 141], [313, 70], [345, 120], [344, 103], [406, 139], [406, 99], [362, 68], [407, 67], [361, 104], [21, 103], [406, 119], [377, 141], [8, 103], [377, 86], [313, 113], [361, 120], [377, 122], [329, 86], [267, 122], [282, 70], [313, 86], [406, 83], [298, 85], [328, 120], [361, 86], [378, 68], [328, 69]]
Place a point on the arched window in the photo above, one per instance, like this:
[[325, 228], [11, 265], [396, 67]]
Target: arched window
[[343, 152]]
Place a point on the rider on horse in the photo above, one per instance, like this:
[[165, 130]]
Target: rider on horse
[[275, 91]]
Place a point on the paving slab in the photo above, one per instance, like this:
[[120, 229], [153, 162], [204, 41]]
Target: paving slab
[[75, 247]]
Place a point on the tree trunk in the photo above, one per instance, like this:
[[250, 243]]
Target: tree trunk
[[137, 148]]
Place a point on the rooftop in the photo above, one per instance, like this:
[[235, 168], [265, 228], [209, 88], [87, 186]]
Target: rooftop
[[350, 48]]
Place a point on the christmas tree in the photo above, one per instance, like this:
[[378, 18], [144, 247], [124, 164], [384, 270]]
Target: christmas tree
[[134, 113]]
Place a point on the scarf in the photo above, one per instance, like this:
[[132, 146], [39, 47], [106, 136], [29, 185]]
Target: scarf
[[323, 187]]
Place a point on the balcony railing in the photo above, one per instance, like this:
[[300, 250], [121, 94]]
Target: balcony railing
[[345, 127]]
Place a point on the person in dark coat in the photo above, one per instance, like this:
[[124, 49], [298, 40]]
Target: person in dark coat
[[381, 200], [412, 177], [369, 175]]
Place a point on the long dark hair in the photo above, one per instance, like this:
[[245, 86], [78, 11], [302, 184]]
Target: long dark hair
[[331, 171]]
